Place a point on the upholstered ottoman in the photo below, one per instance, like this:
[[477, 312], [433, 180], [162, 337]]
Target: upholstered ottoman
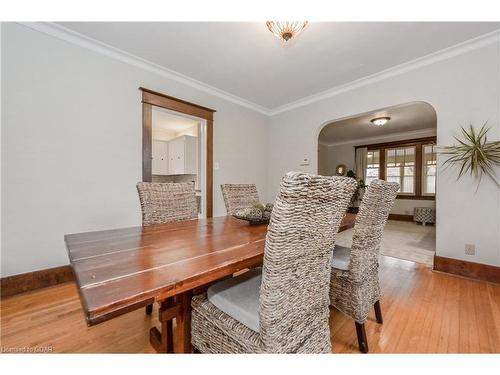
[[424, 215]]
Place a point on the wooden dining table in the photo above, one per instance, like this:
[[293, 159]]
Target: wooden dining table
[[121, 270]]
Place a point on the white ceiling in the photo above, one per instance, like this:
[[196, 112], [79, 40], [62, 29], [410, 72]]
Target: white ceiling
[[246, 60], [163, 119], [408, 117]]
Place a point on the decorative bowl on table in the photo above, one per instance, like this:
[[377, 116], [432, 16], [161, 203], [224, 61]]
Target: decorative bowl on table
[[256, 214]]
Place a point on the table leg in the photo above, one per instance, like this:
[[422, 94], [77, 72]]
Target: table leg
[[163, 341], [183, 324]]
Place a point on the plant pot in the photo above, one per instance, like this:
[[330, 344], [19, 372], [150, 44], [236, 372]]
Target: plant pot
[[353, 210]]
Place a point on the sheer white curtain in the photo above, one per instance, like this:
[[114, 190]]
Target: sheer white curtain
[[360, 160]]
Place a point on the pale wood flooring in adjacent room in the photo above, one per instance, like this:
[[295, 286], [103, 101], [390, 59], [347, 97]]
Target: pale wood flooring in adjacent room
[[402, 240], [424, 312]]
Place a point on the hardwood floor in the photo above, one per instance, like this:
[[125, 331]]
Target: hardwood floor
[[424, 312]]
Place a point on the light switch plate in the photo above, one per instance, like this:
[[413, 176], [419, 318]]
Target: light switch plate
[[216, 166], [304, 162]]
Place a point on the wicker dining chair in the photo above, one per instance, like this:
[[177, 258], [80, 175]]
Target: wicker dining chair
[[166, 202], [354, 283], [238, 196], [282, 308]]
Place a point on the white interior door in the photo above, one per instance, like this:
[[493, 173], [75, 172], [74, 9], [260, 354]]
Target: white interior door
[[160, 157], [176, 156]]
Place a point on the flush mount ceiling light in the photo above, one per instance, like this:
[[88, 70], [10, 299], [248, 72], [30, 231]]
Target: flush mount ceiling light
[[380, 121], [286, 30]]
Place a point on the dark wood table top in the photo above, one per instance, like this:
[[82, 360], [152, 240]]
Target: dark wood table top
[[121, 270]]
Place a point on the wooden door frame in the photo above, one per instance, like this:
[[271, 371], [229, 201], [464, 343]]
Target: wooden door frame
[[152, 98]]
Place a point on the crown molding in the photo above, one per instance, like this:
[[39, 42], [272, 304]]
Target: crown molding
[[382, 138], [457, 49], [84, 41]]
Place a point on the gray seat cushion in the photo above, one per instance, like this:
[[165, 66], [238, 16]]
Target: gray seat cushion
[[341, 257], [238, 297]]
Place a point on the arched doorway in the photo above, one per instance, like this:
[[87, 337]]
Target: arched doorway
[[395, 144]]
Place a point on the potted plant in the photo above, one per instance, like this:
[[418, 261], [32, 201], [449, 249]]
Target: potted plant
[[474, 154], [358, 193]]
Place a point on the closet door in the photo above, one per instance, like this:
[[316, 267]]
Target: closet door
[[190, 155], [176, 156], [171, 157], [160, 157]]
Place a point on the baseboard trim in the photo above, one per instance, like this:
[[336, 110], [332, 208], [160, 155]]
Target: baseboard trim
[[464, 268], [400, 217], [16, 284]]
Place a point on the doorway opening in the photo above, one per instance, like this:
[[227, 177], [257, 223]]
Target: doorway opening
[[177, 145], [177, 151], [402, 150]]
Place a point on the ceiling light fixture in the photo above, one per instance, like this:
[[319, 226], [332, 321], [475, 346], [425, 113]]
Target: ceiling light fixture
[[286, 30], [380, 121]]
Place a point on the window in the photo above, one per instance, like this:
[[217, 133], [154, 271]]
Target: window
[[400, 168], [372, 166], [411, 163], [429, 169]]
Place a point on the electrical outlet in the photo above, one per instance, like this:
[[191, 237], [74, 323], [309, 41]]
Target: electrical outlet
[[470, 249]]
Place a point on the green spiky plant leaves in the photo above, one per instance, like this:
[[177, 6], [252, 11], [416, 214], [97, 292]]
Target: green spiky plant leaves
[[474, 154]]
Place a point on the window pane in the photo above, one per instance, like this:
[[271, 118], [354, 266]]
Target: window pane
[[393, 172], [400, 156], [410, 156], [429, 180], [400, 168], [429, 155], [429, 169], [372, 159], [371, 175], [430, 185], [408, 185], [372, 166], [390, 158]]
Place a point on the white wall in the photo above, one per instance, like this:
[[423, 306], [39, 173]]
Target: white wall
[[323, 160], [72, 144], [162, 134], [331, 156], [462, 88], [166, 134], [192, 131]]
